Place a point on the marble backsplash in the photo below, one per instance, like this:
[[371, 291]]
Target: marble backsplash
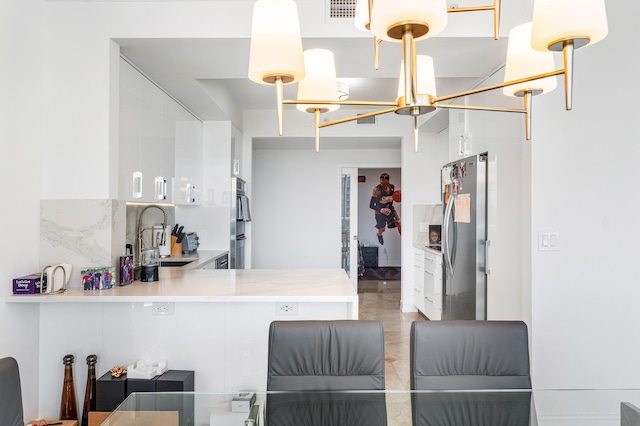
[[91, 233], [425, 214], [84, 233]]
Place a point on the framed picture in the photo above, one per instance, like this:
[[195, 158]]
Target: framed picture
[[125, 271], [435, 237], [100, 278]]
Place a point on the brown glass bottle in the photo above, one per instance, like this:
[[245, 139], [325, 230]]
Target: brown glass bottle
[[90, 392], [68, 405]]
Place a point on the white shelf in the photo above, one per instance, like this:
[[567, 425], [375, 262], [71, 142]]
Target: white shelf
[[217, 285]]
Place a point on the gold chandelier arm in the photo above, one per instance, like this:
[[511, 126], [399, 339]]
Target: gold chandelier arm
[[567, 54], [497, 86], [527, 118], [415, 133], [481, 108], [496, 19], [316, 124], [279, 108], [346, 102], [409, 57], [376, 52], [357, 117], [496, 14]]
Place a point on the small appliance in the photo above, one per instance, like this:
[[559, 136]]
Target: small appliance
[[149, 262], [190, 242]]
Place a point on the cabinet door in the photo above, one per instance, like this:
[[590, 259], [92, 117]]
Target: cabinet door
[[418, 279], [150, 116], [129, 132], [433, 284], [465, 137], [432, 272], [147, 136], [432, 307], [188, 160], [236, 151], [170, 116]]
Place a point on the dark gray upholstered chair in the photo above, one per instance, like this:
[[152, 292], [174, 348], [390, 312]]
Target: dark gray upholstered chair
[[325, 355], [451, 408], [326, 409], [469, 355], [316, 356], [10, 393]]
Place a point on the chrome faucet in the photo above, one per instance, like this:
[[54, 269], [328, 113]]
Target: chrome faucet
[[139, 228]]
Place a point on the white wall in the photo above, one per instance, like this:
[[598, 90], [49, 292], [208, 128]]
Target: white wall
[[585, 296], [21, 85], [296, 205], [420, 185], [389, 254]]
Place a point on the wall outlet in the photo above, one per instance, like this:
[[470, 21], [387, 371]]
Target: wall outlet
[[162, 308], [286, 308]]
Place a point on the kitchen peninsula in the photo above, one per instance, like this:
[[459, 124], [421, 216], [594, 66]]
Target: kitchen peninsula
[[212, 321]]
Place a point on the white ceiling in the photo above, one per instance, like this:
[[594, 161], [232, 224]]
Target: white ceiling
[[199, 72]]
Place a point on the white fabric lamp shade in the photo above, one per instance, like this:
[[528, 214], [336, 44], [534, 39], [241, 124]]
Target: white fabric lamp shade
[[556, 20], [390, 13], [320, 82], [523, 61], [362, 15], [425, 74], [276, 45]]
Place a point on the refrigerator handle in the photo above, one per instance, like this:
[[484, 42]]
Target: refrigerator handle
[[487, 268], [447, 252]]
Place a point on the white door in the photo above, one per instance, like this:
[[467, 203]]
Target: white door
[[349, 214]]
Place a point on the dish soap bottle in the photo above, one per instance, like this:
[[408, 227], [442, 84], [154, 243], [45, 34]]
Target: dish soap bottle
[[68, 405], [90, 392]]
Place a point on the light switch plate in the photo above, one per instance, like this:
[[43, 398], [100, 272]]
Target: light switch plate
[[548, 241]]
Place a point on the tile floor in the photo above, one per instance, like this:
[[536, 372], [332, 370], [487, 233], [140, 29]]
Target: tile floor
[[380, 300]]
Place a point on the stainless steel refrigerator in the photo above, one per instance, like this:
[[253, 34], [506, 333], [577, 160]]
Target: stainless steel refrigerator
[[464, 239]]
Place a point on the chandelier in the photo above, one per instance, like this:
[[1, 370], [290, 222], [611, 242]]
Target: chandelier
[[277, 58]]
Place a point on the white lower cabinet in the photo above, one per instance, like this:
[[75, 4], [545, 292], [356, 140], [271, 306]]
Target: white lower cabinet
[[432, 289], [418, 279]]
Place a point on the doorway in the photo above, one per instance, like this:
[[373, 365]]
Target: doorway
[[371, 258]]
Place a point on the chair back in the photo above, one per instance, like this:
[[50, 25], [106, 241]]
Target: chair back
[[10, 393], [325, 355], [469, 355]]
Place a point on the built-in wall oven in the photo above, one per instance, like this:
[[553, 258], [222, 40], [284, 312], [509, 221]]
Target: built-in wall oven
[[240, 215]]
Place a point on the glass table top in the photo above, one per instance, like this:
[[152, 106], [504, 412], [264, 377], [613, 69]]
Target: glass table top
[[378, 408]]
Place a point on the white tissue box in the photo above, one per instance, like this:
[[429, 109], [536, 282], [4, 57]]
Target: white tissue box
[[243, 402]]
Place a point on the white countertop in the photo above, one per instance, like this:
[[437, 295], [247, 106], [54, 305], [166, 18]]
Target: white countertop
[[423, 246], [217, 285]]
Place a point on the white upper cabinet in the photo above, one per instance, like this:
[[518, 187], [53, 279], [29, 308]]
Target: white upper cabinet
[[466, 138], [236, 151], [188, 160], [129, 132], [160, 148]]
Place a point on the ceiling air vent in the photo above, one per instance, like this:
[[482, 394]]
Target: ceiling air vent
[[341, 9], [366, 120]]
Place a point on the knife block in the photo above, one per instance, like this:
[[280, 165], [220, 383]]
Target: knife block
[[176, 247]]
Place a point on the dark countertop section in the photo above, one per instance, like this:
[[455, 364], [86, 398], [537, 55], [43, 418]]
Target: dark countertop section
[[197, 259]]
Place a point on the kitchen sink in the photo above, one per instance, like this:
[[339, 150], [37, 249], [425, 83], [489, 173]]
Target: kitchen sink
[[173, 263]]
